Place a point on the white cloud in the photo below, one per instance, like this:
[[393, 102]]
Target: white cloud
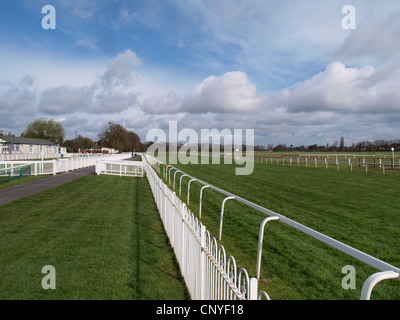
[[343, 89], [229, 93], [111, 93], [112, 103], [170, 103], [376, 38], [17, 102], [65, 99], [232, 92], [120, 69]]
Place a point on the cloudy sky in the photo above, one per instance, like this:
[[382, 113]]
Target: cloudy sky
[[287, 69]]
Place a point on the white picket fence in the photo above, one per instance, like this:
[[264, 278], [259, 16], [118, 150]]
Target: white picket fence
[[208, 272], [56, 166]]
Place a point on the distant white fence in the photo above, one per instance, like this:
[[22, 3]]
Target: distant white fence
[[39, 156], [120, 168], [309, 161], [208, 273], [53, 167]]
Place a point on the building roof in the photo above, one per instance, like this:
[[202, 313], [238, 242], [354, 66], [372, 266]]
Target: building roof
[[16, 140]]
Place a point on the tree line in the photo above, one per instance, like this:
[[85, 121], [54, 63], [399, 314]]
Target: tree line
[[113, 136], [372, 146], [116, 136]]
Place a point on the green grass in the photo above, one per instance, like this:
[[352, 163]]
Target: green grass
[[4, 183], [102, 234], [360, 209]]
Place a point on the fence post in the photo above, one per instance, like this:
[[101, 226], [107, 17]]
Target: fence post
[[222, 215], [169, 175], [253, 292], [180, 183], [54, 167], [201, 197], [183, 265], [260, 243], [202, 263], [188, 192], [174, 178]]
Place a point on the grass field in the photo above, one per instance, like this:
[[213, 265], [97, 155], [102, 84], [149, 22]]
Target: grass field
[[103, 236], [357, 208]]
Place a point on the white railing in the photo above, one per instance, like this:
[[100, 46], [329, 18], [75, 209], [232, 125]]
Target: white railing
[[39, 156], [206, 270], [378, 165], [53, 167], [120, 168]]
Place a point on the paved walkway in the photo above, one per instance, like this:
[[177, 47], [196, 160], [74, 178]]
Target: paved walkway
[[27, 189]]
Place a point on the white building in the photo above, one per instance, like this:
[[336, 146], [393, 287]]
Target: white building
[[14, 145]]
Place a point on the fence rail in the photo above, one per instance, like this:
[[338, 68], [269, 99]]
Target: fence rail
[[39, 156], [53, 167]]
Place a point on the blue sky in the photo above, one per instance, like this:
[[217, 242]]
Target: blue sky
[[286, 69]]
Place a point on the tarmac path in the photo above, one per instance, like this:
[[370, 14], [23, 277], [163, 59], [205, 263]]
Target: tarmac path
[[27, 189]]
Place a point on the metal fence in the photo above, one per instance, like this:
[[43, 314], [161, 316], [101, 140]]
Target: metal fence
[[208, 273]]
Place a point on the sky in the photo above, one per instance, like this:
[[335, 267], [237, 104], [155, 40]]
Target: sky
[[290, 70]]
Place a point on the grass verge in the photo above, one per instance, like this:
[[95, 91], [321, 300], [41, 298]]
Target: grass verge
[[103, 236]]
